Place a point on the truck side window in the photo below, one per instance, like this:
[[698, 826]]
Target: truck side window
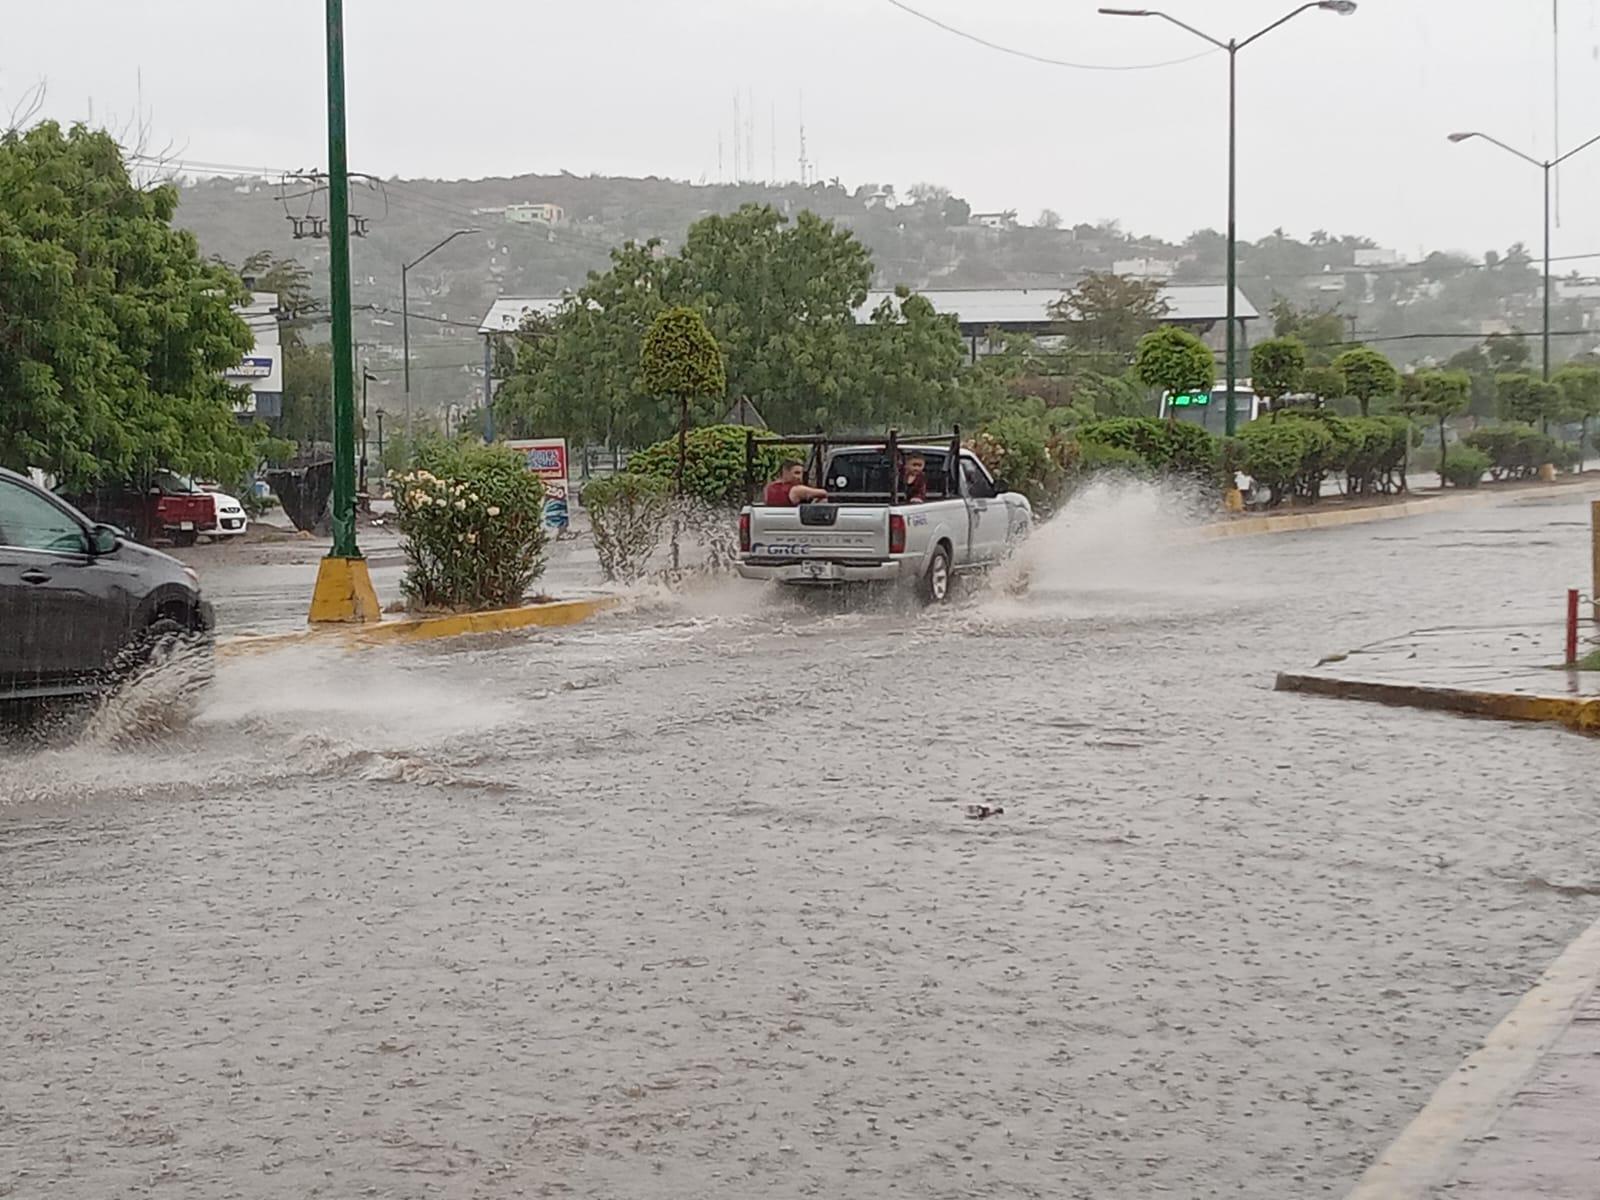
[[978, 485]]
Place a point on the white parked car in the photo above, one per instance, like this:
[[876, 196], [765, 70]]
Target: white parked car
[[868, 531], [231, 518]]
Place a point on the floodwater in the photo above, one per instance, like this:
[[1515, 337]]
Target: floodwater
[[686, 902]]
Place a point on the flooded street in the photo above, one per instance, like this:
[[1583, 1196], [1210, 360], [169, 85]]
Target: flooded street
[[686, 903]]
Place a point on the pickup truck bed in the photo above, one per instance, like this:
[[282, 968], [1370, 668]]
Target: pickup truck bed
[[862, 539]]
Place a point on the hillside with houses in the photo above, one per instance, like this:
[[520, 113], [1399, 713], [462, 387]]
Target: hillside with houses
[[538, 236]]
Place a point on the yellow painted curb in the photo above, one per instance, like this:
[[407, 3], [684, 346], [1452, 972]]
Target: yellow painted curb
[[548, 615], [545, 616], [1575, 712], [1466, 1106]]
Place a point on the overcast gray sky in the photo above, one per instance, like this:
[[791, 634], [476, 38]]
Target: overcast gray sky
[[1343, 119]]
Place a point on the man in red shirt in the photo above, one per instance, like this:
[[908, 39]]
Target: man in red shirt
[[787, 490], [916, 479]]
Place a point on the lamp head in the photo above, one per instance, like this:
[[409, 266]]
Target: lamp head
[[1343, 7], [1462, 137]]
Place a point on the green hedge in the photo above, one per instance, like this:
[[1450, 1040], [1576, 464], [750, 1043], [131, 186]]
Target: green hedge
[[1513, 451], [1464, 466], [1170, 447], [714, 465], [1293, 452]]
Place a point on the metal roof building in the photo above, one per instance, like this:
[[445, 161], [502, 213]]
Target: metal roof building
[[505, 314], [1027, 310]]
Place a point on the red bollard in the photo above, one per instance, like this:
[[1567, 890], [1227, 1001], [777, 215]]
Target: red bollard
[[1572, 626]]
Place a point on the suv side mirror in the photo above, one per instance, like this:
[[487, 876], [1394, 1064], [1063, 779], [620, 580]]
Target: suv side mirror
[[1001, 486], [103, 539]]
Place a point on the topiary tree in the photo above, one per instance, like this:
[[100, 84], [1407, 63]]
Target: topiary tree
[[1174, 361], [1368, 376], [1325, 383], [1580, 393], [1515, 397], [1278, 368], [679, 361], [1436, 396], [1545, 400]]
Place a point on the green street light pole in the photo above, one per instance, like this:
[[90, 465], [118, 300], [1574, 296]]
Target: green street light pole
[[343, 591], [344, 418], [1233, 46], [1547, 166]]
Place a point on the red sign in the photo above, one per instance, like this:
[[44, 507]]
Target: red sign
[[546, 457]]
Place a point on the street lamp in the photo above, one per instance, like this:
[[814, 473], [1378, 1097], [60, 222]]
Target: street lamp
[[1233, 45], [1547, 166], [405, 309]]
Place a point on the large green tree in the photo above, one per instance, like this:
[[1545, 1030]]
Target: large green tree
[[1109, 313], [114, 332], [780, 299]]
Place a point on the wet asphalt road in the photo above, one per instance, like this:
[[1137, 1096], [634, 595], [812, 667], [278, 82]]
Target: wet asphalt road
[[684, 904]]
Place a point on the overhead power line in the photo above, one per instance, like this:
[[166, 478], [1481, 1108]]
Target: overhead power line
[[1040, 58]]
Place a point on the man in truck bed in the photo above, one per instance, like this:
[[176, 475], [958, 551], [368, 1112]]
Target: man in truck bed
[[789, 490]]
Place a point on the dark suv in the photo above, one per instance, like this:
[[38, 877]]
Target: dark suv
[[79, 603]]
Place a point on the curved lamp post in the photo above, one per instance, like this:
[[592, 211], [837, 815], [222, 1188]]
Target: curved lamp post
[[1233, 45]]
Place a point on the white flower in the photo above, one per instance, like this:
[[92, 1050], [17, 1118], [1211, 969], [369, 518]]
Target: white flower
[[442, 502], [461, 504], [472, 537], [493, 510], [473, 497]]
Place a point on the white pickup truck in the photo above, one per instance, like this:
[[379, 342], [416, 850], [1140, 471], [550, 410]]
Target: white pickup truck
[[865, 532]]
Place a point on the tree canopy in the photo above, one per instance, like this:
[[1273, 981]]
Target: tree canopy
[[1110, 313], [1278, 367], [1368, 376], [114, 332], [779, 298]]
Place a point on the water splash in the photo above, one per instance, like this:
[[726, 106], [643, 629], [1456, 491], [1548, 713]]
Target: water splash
[[1120, 547]]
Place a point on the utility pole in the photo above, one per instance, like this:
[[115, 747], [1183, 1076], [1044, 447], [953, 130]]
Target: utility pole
[[1233, 46], [343, 591], [1548, 166]]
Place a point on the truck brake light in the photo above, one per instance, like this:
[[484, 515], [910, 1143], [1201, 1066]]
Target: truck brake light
[[744, 533], [897, 534]]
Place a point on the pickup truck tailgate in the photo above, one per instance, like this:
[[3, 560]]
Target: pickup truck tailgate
[[823, 531]]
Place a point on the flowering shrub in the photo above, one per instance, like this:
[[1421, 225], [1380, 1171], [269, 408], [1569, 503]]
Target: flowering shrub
[[473, 522]]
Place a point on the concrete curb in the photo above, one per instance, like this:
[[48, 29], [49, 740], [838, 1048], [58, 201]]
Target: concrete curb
[[548, 615], [1295, 522], [1575, 712], [1466, 1106]]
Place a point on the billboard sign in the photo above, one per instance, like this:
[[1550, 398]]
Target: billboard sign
[[547, 458]]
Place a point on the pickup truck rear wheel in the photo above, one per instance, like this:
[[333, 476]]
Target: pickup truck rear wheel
[[934, 587]]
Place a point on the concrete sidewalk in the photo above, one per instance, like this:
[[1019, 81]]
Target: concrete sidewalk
[[1510, 671], [1521, 1117]]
